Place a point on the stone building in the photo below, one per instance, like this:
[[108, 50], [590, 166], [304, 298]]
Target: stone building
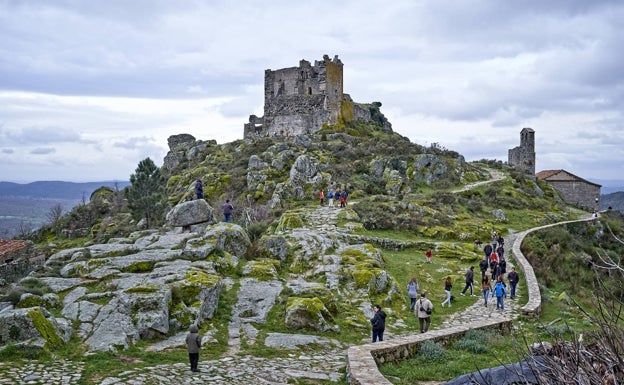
[[523, 156], [300, 100], [574, 190]]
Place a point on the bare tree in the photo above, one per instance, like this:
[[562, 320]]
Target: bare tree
[[55, 213]]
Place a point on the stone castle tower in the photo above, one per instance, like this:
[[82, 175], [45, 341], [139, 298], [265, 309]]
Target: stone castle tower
[[300, 100], [523, 156]]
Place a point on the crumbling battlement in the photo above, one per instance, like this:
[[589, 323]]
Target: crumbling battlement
[[300, 100]]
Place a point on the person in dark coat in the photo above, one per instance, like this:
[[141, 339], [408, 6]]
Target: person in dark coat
[[227, 210], [469, 281], [379, 323], [193, 344], [199, 189], [488, 250], [483, 266], [513, 281]]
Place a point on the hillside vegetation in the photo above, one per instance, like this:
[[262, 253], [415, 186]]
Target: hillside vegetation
[[329, 265]]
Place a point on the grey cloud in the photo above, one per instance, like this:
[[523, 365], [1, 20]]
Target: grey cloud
[[7, 151], [37, 135], [134, 142], [42, 151]]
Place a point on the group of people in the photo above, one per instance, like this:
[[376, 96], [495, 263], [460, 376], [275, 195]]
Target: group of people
[[338, 196], [419, 304], [226, 207]]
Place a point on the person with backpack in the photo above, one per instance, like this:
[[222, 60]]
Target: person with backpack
[[193, 344], [499, 290], [330, 198], [423, 311], [412, 292], [379, 323]]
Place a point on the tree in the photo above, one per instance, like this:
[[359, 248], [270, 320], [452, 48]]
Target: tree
[[145, 193], [54, 214]]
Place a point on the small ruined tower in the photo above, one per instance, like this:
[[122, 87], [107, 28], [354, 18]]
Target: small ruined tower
[[523, 156]]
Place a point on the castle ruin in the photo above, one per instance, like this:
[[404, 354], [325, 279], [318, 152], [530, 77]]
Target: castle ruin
[[523, 156], [300, 100]]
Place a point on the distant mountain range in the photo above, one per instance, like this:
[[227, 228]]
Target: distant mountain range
[[25, 207], [55, 189]]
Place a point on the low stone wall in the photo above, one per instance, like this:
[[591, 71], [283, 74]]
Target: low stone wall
[[362, 360]]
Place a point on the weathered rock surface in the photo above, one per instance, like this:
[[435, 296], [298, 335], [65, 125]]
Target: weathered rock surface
[[190, 213]]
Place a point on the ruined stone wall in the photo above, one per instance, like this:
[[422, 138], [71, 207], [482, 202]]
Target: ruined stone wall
[[578, 193], [300, 100]]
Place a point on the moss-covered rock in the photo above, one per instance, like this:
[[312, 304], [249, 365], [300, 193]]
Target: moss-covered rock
[[50, 333], [307, 313], [289, 221], [262, 269]]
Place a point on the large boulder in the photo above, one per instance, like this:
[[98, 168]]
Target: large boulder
[[307, 313], [228, 237], [304, 171], [190, 213], [33, 324]]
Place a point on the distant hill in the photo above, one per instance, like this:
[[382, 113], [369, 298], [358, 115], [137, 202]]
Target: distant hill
[[609, 185], [25, 207], [55, 189], [614, 200]]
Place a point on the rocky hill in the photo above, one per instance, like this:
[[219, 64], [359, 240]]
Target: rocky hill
[[286, 263]]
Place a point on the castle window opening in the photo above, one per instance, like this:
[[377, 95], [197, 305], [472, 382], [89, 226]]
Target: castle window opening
[[309, 90]]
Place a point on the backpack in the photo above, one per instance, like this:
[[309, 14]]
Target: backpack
[[330, 195]]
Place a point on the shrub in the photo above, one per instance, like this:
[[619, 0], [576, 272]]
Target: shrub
[[432, 351]]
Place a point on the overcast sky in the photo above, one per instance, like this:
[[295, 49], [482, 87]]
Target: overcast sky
[[90, 88]]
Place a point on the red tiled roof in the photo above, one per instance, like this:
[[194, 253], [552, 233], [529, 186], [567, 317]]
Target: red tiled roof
[[545, 174], [9, 247], [548, 174]]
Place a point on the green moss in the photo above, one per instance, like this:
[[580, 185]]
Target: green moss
[[289, 220], [262, 269], [31, 301], [144, 289], [140, 267], [196, 277], [45, 328]]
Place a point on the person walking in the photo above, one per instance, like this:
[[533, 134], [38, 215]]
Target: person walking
[[487, 250], [330, 198], [322, 196], [499, 291], [483, 266], [428, 255], [379, 323], [448, 285], [199, 189], [469, 282], [514, 278], [193, 344], [227, 210], [412, 292], [423, 312], [486, 288]]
